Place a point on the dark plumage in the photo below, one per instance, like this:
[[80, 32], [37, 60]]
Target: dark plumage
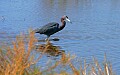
[[49, 29], [52, 27]]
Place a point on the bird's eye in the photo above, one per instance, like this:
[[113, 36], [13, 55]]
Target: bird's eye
[[63, 18], [66, 16]]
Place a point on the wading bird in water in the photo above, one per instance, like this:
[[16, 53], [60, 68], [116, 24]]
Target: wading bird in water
[[52, 27]]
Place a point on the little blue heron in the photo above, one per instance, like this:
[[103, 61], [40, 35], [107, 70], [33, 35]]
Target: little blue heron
[[52, 27]]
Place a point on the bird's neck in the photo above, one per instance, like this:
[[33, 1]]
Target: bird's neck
[[63, 25]]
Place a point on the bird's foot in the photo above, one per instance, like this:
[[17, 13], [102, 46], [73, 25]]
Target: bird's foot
[[55, 39]]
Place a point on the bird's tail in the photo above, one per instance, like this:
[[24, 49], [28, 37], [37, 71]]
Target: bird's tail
[[36, 30]]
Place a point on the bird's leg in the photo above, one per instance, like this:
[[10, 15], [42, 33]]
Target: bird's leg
[[47, 39]]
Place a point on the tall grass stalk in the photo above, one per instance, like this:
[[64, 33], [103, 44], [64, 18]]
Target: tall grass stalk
[[18, 60]]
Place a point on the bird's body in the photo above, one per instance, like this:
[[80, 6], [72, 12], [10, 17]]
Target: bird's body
[[52, 27], [49, 29]]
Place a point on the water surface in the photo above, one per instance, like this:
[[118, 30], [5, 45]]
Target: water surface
[[95, 29]]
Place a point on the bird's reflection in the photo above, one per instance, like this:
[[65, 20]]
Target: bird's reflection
[[49, 49]]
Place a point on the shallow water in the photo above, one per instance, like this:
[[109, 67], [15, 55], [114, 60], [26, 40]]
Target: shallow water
[[95, 27]]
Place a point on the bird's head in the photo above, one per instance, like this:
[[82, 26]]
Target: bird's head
[[65, 18]]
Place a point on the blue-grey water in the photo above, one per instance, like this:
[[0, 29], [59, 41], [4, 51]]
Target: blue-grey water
[[95, 28]]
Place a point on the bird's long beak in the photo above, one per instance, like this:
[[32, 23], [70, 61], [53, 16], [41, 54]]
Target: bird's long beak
[[68, 20]]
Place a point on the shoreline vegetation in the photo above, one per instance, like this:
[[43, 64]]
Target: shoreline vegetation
[[19, 59]]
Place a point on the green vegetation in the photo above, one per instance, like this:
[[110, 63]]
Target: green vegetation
[[19, 59]]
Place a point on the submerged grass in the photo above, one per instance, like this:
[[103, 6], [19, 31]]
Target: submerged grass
[[18, 59]]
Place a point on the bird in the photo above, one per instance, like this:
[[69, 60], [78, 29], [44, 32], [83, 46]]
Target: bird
[[52, 27]]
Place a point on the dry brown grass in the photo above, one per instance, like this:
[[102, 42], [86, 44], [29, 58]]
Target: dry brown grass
[[15, 60], [18, 59]]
